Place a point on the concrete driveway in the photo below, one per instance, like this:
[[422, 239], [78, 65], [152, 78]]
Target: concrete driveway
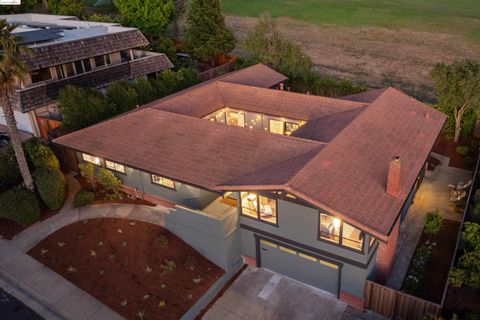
[[259, 294]]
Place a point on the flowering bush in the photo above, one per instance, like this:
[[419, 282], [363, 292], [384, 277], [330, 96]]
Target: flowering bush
[[416, 271]]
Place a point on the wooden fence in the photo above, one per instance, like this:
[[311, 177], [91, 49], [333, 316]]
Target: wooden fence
[[218, 71], [398, 305]]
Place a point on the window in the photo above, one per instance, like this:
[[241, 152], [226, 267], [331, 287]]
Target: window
[[259, 207], [352, 237], [59, 71], [125, 55], [163, 181], [115, 166], [291, 127], [235, 119], [87, 66], [69, 69], [91, 159], [276, 126], [41, 75], [335, 230], [79, 67], [330, 228], [99, 61]]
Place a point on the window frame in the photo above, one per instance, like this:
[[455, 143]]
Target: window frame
[[340, 236], [92, 156], [270, 126], [114, 166], [257, 210], [163, 185]]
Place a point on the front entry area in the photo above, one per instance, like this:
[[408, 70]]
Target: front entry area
[[299, 265]]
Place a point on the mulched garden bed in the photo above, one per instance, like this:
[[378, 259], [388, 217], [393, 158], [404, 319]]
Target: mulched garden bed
[[100, 194], [460, 300], [447, 148], [437, 268], [124, 264], [9, 229]]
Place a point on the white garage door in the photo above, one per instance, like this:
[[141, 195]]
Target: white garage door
[[303, 267]]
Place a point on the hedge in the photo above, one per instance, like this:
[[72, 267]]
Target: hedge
[[20, 205], [83, 198], [50, 184], [41, 156], [9, 172]]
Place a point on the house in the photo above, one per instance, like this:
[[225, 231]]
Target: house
[[311, 187], [66, 51]]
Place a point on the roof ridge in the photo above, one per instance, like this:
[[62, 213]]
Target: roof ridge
[[342, 102]]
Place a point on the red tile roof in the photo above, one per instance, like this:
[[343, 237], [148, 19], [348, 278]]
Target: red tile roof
[[187, 149], [346, 177]]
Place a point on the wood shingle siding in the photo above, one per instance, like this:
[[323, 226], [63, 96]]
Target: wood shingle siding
[[63, 52]]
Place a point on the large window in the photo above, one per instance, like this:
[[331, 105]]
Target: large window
[[101, 61], [115, 166], [335, 230], [259, 207], [91, 159], [163, 181], [276, 126], [235, 119], [41, 75]]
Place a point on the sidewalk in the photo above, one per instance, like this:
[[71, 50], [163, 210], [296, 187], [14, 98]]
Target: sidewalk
[[41, 289]]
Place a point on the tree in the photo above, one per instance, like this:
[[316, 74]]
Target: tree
[[467, 271], [122, 95], [25, 6], [433, 223], [111, 183], [82, 107], [150, 16], [67, 7], [458, 91], [269, 46], [206, 34], [87, 170], [13, 70]]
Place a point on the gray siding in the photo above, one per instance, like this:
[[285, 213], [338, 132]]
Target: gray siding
[[183, 194], [300, 224]]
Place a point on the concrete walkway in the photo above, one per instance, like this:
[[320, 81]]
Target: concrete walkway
[[433, 194], [261, 294], [41, 289]]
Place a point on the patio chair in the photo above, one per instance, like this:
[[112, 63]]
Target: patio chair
[[457, 196], [463, 186]]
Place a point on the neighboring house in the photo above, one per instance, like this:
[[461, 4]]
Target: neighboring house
[[312, 187], [66, 51]]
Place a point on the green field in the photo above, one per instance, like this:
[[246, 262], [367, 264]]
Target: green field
[[448, 16]]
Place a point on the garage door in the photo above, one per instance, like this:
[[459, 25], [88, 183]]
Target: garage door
[[303, 267]]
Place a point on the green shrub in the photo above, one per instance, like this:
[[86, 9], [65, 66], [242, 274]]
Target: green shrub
[[87, 170], [41, 156], [433, 223], [111, 183], [467, 272], [20, 205], [50, 184], [475, 210], [471, 235], [462, 150], [83, 198], [9, 171]]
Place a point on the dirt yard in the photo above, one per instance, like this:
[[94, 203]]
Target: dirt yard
[[372, 56], [140, 270]]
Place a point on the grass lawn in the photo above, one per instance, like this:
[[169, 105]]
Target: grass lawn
[[449, 16], [140, 270]]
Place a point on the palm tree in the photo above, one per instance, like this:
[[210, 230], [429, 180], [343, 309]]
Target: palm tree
[[12, 71]]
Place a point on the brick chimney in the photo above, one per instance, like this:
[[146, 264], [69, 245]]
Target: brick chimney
[[393, 179]]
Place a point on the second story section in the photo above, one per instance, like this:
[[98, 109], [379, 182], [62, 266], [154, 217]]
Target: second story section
[[66, 51]]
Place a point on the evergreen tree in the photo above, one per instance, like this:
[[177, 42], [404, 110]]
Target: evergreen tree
[[150, 16], [206, 34]]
